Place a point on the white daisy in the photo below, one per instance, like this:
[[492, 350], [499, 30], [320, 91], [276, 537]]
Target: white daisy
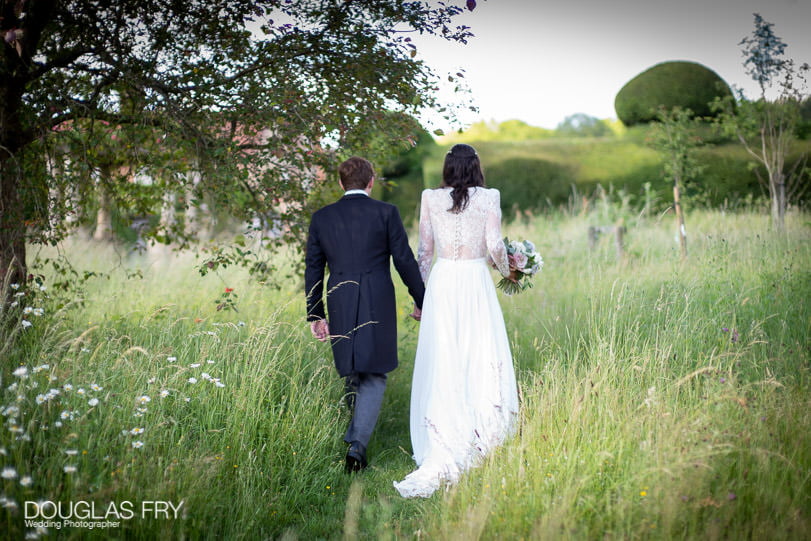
[[93, 402], [137, 444], [8, 473], [69, 469]]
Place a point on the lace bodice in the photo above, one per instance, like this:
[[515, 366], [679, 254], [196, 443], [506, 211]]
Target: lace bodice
[[471, 234]]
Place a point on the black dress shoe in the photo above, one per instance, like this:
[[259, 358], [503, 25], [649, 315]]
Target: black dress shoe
[[355, 457]]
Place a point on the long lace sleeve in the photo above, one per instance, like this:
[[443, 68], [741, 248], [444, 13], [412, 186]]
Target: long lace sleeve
[[492, 233], [425, 251]]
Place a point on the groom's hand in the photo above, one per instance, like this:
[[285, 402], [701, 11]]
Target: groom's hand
[[320, 329], [416, 313]]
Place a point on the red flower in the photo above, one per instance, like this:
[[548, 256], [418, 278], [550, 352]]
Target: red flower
[[229, 289]]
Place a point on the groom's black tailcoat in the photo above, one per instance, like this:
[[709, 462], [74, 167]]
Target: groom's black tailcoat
[[355, 237]]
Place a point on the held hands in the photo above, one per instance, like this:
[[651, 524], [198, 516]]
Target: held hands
[[416, 313], [320, 329]]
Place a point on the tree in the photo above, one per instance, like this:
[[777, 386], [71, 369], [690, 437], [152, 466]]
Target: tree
[[583, 125], [674, 136], [767, 128], [258, 96], [687, 85]]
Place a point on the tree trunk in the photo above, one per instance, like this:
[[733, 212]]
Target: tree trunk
[[104, 217], [13, 269], [779, 203], [680, 218]]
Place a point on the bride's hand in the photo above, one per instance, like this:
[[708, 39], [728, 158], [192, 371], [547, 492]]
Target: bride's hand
[[513, 277]]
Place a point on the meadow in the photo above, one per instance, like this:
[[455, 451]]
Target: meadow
[[660, 399]]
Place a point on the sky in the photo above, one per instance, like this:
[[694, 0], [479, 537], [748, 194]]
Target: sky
[[542, 60]]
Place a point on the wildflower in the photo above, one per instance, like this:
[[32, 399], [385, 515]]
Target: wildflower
[[8, 473], [21, 372], [171, 359], [206, 376], [26, 481], [27, 310], [137, 444], [39, 312], [14, 286], [11, 388], [195, 365], [136, 431], [10, 411], [65, 414], [241, 323], [41, 399], [93, 402], [40, 368], [81, 391], [67, 387], [210, 361], [96, 387], [192, 380], [219, 384], [69, 469], [187, 399], [58, 424], [143, 399], [229, 289], [150, 381], [25, 323], [164, 393], [71, 452], [7, 503], [734, 337], [643, 493]]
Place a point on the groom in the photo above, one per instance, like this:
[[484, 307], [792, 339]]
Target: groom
[[356, 237]]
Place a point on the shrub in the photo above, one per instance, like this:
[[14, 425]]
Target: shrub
[[684, 84], [529, 183]]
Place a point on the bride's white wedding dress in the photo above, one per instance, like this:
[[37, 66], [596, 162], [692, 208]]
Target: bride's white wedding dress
[[464, 399]]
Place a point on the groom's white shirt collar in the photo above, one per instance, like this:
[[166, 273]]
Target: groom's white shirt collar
[[356, 192]]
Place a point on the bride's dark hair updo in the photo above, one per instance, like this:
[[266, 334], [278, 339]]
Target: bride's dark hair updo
[[462, 170]]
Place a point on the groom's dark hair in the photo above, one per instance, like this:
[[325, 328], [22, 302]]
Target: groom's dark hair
[[356, 173]]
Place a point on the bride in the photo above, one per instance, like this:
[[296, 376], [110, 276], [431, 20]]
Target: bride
[[464, 399]]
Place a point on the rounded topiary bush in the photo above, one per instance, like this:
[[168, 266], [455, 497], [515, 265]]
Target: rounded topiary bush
[[529, 183], [670, 84]]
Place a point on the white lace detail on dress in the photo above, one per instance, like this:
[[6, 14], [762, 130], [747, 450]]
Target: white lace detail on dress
[[473, 233]]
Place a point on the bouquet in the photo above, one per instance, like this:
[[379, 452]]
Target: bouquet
[[525, 261]]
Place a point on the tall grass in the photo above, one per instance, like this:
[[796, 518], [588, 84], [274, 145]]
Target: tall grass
[[659, 399]]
